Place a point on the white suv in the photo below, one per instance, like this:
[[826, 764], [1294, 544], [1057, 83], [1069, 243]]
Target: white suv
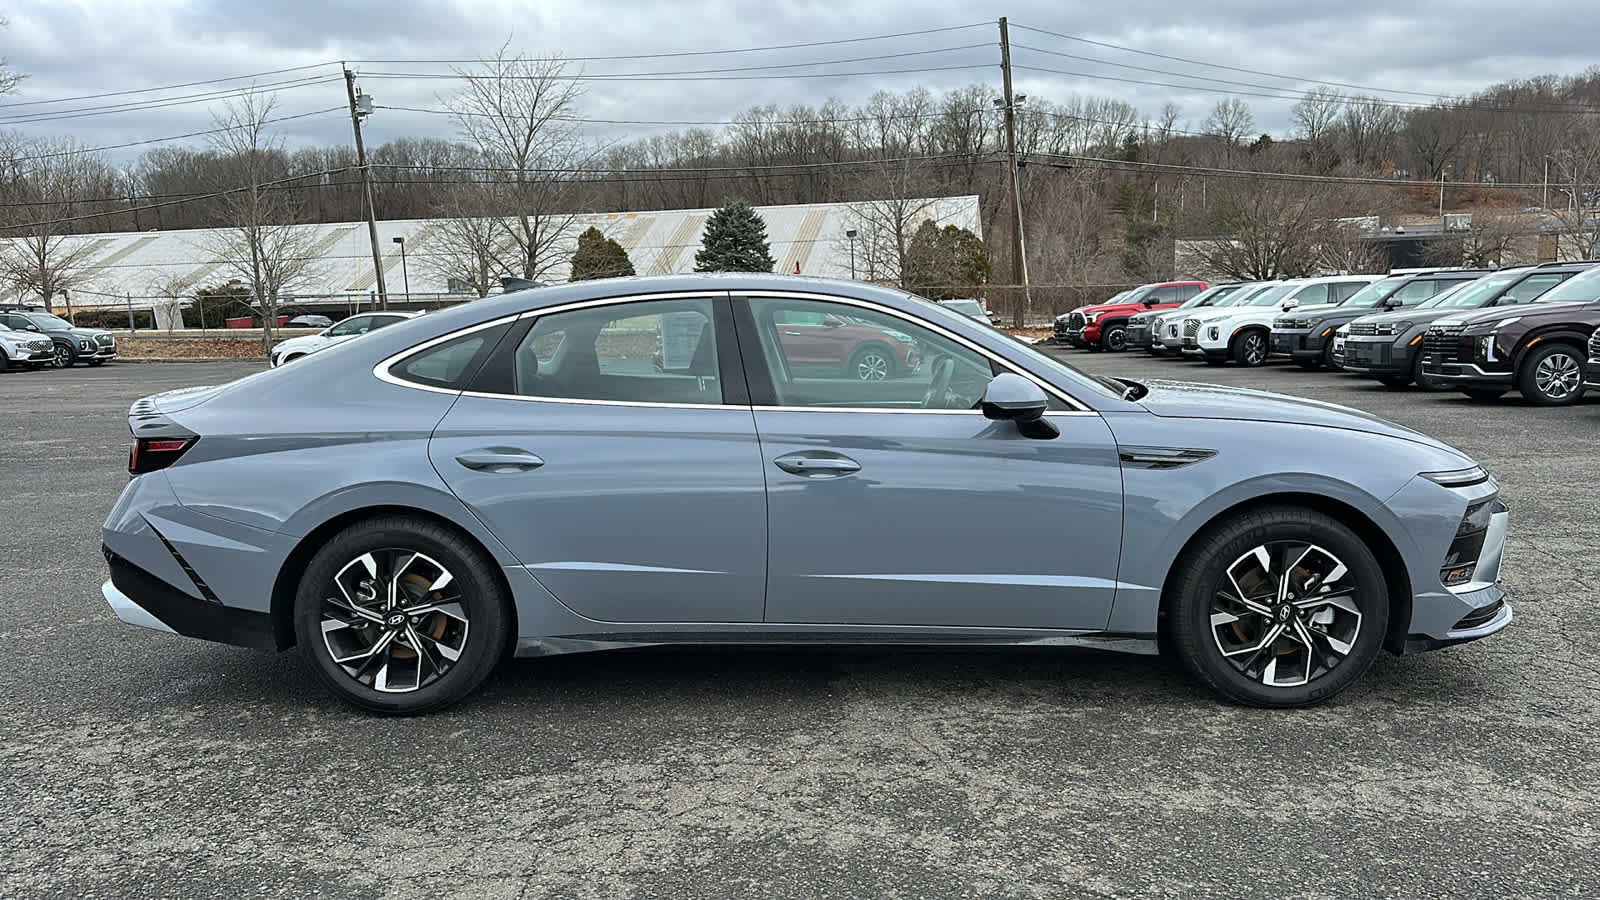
[[353, 327], [1240, 332]]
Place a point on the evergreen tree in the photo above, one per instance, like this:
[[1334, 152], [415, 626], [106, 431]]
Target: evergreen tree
[[945, 263], [735, 241], [598, 256]]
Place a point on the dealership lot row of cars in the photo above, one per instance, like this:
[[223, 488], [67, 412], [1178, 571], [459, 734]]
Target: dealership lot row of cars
[[31, 339], [1480, 332]]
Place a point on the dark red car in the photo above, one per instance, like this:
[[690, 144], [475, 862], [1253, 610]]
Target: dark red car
[[1104, 327], [828, 342]]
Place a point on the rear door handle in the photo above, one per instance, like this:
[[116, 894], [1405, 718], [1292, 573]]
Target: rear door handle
[[809, 465], [499, 459], [795, 333]]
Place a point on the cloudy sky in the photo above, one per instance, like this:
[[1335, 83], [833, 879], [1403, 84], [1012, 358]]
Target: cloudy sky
[[71, 49]]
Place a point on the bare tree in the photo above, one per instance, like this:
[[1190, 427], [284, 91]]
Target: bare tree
[[1490, 239], [519, 112], [259, 240], [1229, 122], [1266, 228], [1345, 247], [8, 79], [1316, 117], [44, 202], [470, 248], [1575, 175]]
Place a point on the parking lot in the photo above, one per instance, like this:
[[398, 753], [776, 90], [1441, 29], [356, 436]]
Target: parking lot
[[137, 763]]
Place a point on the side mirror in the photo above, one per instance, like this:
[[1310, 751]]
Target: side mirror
[[1012, 397], [1152, 301], [832, 321], [1392, 303], [1290, 303]]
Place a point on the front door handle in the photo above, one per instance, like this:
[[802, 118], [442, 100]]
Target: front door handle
[[795, 333], [499, 459], [812, 465]]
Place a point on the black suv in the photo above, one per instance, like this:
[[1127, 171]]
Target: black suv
[[1307, 337], [72, 344], [1388, 345]]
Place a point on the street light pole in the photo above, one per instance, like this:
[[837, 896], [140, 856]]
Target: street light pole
[[405, 273], [357, 111], [851, 234]]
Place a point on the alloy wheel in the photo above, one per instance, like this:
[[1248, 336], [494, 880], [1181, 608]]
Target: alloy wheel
[[1558, 375], [1285, 613], [63, 356], [1116, 340], [872, 366], [394, 620], [1255, 349]]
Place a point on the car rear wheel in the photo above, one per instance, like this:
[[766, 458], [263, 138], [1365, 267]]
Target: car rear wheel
[[1552, 375], [1281, 606], [64, 358], [1424, 381], [873, 362], [400, 615], [1250, 349]]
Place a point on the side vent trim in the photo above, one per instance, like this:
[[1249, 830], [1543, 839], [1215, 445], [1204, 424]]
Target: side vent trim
[[1162, 457]]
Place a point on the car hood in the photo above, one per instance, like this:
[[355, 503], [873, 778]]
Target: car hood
[[303, 343], [1181, 399], [1413, 315]]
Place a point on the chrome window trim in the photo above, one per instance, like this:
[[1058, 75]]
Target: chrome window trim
[[381, 370], [1006, 364]]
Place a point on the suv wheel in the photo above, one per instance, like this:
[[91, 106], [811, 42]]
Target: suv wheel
[[399, 615], [1281, 606], [1250, 348], [64, 358], [1552, 375], [873, 362]]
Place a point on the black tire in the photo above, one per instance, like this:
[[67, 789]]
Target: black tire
[[65, 358], [1394, 382], [1204, 581], [1483, 395], [1423, 380], [870, 362], [1114, 339], [94, 363], [1552, 375], [1310, 365], [483, 627], [1327, 359], [1212, 360], [1249, 348]]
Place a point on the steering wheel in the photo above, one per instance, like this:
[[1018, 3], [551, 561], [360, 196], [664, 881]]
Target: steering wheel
[[939, 386]]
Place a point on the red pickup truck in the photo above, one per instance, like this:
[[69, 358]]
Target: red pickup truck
[[1104, 327]]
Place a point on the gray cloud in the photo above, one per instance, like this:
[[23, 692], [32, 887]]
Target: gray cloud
[[1432, 46]]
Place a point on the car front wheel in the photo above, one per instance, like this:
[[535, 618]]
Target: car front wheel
[[870, 363], [1280, 607], [400, 615], [1250, 349], [1552, 376], [64, 358], [1115, 339]]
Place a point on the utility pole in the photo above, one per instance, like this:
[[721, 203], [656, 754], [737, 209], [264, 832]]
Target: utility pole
[[366, 183], [1019, 258]]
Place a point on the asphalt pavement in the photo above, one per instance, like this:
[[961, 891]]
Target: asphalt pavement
[[134, 763]]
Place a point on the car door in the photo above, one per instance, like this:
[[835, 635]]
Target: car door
[[896, 502], [611, 448]]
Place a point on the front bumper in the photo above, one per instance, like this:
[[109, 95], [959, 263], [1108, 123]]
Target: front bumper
[[1464, 373], [1138, 335], [1078, 337], [1377, 356], [1296, 344]]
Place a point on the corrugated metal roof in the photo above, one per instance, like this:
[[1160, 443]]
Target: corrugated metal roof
[[808, 239]]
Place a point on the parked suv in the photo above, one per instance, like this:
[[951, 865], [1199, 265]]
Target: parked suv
[[1388, 345], [71, 344], [1307, 337], [352, 327], [1104, 326], [24, 349], [1241, 332], [1144, 329], [1537, 348]]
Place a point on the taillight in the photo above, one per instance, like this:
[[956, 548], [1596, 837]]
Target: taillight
[[150, 454]]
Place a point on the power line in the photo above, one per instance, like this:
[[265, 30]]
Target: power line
[[161, 140], [1135, 165], [163, 103], [167, 87], [624, 77], [632, 56], [778, 121], [491, 76]]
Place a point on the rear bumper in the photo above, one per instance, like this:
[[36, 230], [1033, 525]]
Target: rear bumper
[[140, 598]]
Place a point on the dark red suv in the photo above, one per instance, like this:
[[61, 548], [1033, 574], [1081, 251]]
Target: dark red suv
[[1104, 326]]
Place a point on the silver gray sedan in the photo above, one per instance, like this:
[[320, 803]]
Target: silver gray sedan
[[698, 460]]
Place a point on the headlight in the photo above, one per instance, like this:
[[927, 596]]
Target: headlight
[[1486, 348], [900, 336], [1458, 477], [1392, 328], [1091, 317]]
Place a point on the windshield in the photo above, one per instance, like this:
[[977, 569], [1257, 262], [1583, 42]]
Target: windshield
[[1217, 296], [1473, 294], [970, 307], [1577, 289], [1270, 295], [1374, 294], [47, 321]]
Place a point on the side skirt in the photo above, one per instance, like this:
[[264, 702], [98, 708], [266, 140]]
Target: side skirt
[[824, 638]]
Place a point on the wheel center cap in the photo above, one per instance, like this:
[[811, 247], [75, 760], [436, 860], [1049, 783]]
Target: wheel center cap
[[1284, 612], [394, 619]]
